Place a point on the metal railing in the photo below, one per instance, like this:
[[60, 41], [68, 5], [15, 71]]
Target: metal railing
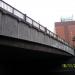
[[27, 19]]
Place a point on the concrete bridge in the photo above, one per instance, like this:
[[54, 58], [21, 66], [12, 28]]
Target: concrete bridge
[[24, 40]]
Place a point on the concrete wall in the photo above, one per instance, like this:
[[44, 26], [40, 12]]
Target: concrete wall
[[13, 27], [9, 26]]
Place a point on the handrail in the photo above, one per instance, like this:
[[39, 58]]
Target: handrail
[[24, 17]]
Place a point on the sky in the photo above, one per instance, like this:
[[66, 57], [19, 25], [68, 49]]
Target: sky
[[46, 12]]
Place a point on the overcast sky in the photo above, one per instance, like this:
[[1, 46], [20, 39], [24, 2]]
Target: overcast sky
[[46, 12]]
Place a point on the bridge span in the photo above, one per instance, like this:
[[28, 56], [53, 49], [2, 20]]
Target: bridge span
[[23, 40], [15, 24]]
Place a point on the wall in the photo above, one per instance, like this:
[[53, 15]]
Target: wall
[[66, 30]]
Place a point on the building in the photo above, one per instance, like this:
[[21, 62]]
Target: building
[[66, 30]]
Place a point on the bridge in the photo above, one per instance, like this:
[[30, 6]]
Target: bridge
[[24, 40]]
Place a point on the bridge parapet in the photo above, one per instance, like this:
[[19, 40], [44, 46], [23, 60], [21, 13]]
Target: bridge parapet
[[28, 29]]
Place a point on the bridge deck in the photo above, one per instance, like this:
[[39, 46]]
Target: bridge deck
[[14, 23]]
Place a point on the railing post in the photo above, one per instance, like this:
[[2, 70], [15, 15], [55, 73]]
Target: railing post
[[39, 27], [32, 22], [12, 10], [45, 30], [25, 17]]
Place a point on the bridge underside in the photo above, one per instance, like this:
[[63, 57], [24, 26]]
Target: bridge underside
[[15, 59], [23, 60], [13, 42]]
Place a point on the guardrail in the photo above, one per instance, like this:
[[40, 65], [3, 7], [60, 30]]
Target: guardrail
[[27, 19]]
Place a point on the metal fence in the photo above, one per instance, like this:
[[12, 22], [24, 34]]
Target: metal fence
[[27, 19]]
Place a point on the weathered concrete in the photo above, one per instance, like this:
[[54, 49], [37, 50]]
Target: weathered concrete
[[9, 26], [23, 31], [12, 42], [12, 26]]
